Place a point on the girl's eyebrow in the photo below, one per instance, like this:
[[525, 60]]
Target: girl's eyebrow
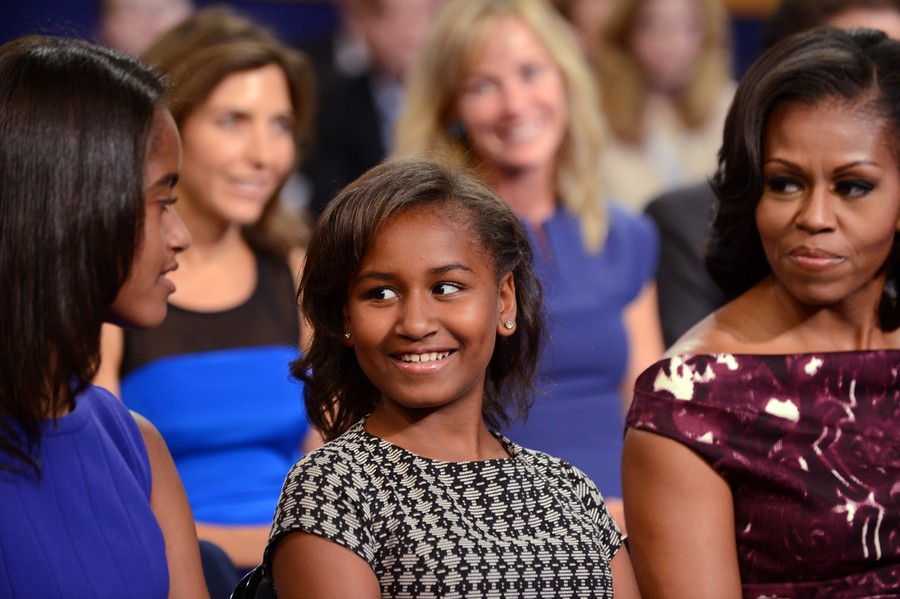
[[373, 275], [167, 180]]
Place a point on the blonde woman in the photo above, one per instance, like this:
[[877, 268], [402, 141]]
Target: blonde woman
[[664, 70], [501, 88]]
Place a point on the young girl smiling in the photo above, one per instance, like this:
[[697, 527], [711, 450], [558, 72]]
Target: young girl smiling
[[420, 288]]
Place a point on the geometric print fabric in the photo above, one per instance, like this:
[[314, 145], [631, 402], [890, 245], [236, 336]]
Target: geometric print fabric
[[528, 526]]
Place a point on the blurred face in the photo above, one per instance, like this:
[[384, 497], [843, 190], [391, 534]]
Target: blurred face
[[394, 30], [141, 301], [238, 147], [513, 102], [885, 19], [666, 42], [132, 26], [424, 311], [588, 18], [831, 203]]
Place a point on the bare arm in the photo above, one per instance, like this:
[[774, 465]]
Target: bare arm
[[112, 347], [680, 521], [311, 567], [645, 342], [624, 583], [173, 513]]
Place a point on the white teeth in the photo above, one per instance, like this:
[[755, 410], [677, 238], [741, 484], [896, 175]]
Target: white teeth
[[250, 184], [522, 132], [420, 358]]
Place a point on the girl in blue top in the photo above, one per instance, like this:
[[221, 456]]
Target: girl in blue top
[[90, 503]]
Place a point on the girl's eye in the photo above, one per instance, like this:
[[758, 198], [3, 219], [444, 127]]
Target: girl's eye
[[446, 288], [853, 188], [165, 202], [783, 185], [381, 293]]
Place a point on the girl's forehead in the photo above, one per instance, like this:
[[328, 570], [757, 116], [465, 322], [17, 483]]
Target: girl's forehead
[[446, 213]]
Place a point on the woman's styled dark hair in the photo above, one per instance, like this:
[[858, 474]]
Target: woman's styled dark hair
[[198, 54], [75, 124], [338, 393], [860, 68]]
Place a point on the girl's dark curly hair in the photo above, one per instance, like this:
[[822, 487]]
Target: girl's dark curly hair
[[860, 68], [337, 391]]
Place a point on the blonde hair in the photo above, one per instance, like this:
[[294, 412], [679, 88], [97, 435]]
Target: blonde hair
[[459, 32], [624, 89], [197, 55]]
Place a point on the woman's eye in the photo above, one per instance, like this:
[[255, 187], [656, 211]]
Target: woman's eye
[[285, 124], [166, 202], [446, 288], [853, 188], [783, 185], [479, 86], [531, 72], [228, 121]]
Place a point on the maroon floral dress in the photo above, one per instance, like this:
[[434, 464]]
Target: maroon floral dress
[[810, 446]]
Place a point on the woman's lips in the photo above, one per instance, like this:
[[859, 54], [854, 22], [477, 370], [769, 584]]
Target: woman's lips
[[814, 258]]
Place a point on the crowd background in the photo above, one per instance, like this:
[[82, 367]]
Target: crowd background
[[300, 21]]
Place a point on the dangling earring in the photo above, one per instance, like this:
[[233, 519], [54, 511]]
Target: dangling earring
[[508, 325], [347, 336]]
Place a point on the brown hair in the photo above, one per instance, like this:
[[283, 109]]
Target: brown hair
[[198, 54], [623, 87]]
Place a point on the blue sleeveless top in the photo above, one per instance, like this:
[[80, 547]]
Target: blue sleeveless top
[[85, 527], [217, 386]]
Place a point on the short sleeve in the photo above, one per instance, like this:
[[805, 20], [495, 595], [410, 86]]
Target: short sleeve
[[323, 495], [611, 537]]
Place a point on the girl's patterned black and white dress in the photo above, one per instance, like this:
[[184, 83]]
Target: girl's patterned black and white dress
[[521, 527]]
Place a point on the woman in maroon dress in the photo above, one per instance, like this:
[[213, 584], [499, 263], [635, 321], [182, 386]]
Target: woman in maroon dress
[[763, 454]]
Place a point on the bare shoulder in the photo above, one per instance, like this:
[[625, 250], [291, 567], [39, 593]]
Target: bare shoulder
[[152, 437], [733, 328], [711, 335]]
